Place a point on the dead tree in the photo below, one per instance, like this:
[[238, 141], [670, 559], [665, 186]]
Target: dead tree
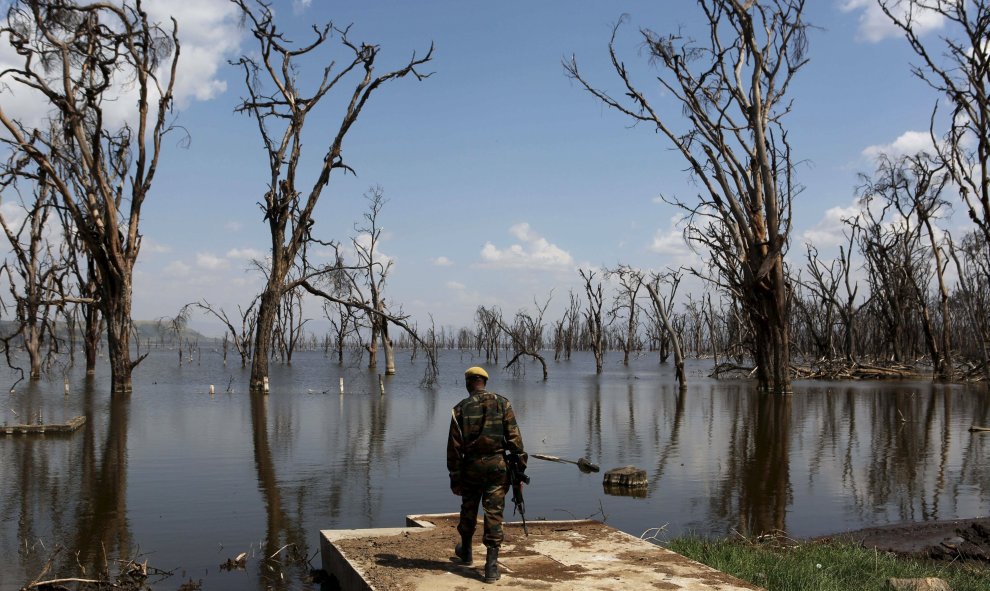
[[77, 58], [287, 333], [593, 317], [662, 306], [955, 65], [909, 246], [343, 324], [973, 292], [84, 312], [625, 302], [280, 109], [526, 335], [239, 337], [489, 321], [35, 278], [732, 89], [370, 273]]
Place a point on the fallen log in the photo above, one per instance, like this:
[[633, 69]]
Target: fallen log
[[978, 429], [583, 463]]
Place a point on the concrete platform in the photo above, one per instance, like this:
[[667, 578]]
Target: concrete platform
[[573, 555]]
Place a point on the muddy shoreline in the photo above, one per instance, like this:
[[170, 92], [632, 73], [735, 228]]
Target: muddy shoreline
[[957, 539]]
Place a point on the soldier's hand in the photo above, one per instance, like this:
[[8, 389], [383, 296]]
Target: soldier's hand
[[455, 484]]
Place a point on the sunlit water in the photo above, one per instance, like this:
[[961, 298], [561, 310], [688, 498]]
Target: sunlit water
[[187, 480]]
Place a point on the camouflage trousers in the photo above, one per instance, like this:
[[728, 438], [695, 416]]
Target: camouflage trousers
[[484, 480]]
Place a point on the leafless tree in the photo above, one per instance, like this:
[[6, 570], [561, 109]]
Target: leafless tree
[[77, 56], [956, 66], [343, 324], [289, 322], [662, 304], [488, 321], [732, 90], [912, 187], [369, 277], [35, 278], [83, 313], [526, 334], [625, 303], [280, 108], [974, 293], [593, 317], [239, 337]]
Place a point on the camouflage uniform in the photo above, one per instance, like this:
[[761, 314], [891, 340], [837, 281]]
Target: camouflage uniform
[[482, 427]]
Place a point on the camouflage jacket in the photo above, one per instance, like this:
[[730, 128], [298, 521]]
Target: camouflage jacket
[[482, 424]]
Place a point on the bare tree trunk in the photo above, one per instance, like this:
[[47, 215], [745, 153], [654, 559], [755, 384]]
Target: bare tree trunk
[[675, 341]]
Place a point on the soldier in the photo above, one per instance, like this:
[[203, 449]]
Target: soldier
[[482, 429]]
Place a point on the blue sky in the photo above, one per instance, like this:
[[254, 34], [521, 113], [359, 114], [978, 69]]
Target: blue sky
[[502, 175]]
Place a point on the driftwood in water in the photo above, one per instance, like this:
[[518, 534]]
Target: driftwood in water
[[583, 463], [52, 428], [978, 429]]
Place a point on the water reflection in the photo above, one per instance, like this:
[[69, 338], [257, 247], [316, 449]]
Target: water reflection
[[175, 473], [102, 531], [285, 538]]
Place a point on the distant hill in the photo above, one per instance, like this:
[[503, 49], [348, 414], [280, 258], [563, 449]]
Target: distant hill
[[147, 330]]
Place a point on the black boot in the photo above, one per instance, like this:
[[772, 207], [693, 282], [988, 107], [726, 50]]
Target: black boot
[[491, 566], [463, 550]]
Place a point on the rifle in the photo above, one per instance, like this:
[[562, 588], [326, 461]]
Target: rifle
[[516, 479]]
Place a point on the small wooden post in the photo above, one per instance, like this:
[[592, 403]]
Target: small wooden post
[[66, 386], [211, 390], [264, 384], [381, 384], [341, 386]]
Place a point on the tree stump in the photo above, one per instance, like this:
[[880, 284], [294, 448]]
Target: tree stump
[[626, 477]]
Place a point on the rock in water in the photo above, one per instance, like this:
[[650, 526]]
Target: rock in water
[[626, 476]]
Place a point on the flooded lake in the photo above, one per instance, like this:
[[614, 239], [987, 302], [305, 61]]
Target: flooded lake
[[187, 480]]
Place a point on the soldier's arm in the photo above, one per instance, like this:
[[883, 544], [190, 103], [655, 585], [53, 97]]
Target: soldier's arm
[[455, 445], [513, 437]]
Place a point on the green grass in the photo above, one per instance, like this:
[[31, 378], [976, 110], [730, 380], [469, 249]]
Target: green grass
[[822, 566]]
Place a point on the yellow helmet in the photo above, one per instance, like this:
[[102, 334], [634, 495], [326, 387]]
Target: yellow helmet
[[476, 372]]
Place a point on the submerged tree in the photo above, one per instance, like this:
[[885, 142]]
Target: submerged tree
[[35, 277], [594, 322], [81, 58], [732, 91], [280, 108]]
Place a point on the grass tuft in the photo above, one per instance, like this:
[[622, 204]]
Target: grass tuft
[[780, 564]]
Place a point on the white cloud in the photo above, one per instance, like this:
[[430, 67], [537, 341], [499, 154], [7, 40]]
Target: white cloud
[[442, 262], [249, 254], [176, 269], [876, 26], [209, 34], [151, 246], [232, 226], [456, 286], [908, 143], [669, 242], [210, 261], [535, 252], [828, 232]]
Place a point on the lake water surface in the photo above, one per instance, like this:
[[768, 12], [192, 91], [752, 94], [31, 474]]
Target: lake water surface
[[187, 480]]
